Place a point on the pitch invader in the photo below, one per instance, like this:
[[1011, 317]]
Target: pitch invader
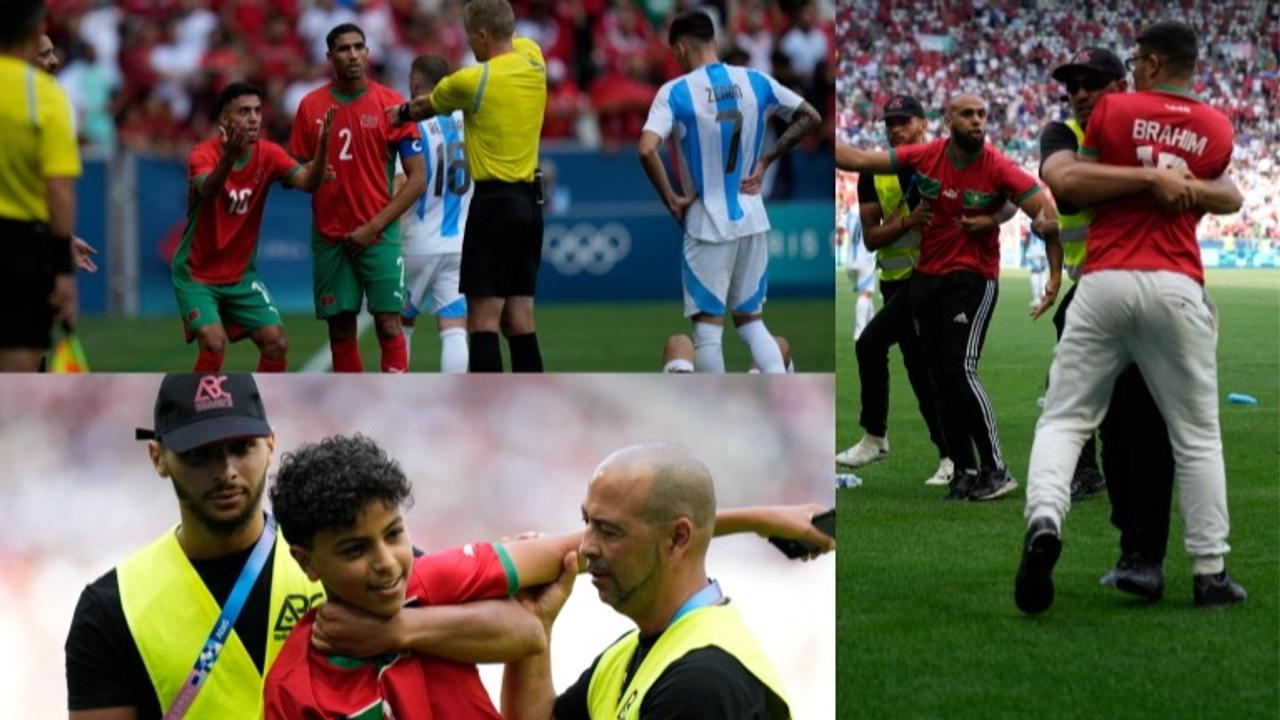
[[215, 275], [718, 113], [355, 234], [434, 225]]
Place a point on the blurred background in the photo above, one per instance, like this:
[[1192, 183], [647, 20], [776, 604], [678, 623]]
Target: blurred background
[[143, 76], [1004, 51], [488, 459]]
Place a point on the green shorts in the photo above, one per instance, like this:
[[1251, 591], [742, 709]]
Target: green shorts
[[241, 307], [342, 279]]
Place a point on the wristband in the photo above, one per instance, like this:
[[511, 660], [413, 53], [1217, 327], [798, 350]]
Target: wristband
[[405, 115], [60, 254]]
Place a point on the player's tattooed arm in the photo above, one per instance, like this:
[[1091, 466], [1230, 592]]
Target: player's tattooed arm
[[805, 120], [851, 159], [314, 173], [677, 205]]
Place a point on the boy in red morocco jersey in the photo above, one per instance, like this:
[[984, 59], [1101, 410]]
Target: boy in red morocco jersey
[[215, 276], [355, 239]]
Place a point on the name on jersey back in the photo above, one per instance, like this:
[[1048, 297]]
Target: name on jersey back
[[1164, 134]]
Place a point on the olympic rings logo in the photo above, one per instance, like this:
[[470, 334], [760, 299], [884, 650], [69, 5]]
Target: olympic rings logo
[[586, 247]]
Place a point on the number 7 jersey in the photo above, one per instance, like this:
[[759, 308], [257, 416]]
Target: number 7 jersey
[[435, 223], [718, 113]]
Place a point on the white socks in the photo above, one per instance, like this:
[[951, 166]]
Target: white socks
[[764, 349], [453, 350], [708, 356]]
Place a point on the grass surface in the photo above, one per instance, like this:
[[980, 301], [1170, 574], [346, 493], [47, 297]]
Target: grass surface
[[926, 621], [596, 337]]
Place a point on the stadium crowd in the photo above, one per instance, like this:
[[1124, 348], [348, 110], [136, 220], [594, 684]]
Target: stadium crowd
[[1004, 51], [143, 74]]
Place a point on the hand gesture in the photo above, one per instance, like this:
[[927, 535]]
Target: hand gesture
[[234, 139], [546, 601], [1047, 300], [976, 224], [753, 183], [1173, 190], [679, 205], [922, 215], [344, 629], [795, 522], [361, 238], [82, 252]]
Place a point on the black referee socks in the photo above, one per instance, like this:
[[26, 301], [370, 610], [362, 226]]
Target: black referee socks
[[525, 356], [485, 353]]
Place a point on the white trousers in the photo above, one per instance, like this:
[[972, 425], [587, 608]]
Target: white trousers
[[1164, 322]]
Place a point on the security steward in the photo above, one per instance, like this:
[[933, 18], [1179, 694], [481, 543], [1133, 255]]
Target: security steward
[[39, 162], [503, 101], [216, 595], [1136, 453]]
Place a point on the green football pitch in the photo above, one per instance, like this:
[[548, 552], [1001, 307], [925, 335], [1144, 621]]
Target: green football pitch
[[927, 627], [593, 337]]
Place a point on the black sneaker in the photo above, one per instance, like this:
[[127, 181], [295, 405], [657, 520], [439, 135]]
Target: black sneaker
[[1086, 482], [1136, 577], [1033, 588], [993, 484], [1215, 590], [962, 484]]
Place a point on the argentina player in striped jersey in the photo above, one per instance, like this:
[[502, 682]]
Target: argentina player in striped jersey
[[717, 114], [434, 224]]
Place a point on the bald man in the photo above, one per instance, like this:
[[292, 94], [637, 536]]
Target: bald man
[[650, 514], [957, 279]]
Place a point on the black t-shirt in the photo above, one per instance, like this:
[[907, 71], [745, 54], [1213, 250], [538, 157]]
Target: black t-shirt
[[706, 684], [104, 666], [1057, 137], [867, 189]]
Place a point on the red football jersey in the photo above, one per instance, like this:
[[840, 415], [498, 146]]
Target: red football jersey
[[362, 151], [956, 189], [221, 238], [307, 684], [1166, 128]]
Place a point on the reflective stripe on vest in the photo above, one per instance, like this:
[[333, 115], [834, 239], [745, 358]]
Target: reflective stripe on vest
[[898, 260], [718, 625], [1073, 227], [170, 612]]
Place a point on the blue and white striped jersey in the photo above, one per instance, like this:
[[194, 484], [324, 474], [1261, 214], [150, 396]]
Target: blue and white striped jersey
[[717, 113], [436, 222]]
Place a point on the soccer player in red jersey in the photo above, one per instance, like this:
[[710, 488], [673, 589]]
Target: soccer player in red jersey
[[215, 277], [1141, 299], [355, 237], [962, 178]]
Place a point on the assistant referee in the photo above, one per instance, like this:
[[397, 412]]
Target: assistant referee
[[503, 101], [39, 161]]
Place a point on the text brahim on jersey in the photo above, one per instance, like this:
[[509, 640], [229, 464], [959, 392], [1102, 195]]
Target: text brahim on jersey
[[1168, 135], [716, 93]]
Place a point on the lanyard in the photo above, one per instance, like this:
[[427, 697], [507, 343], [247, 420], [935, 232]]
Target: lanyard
[[212, 648], [709, 595]]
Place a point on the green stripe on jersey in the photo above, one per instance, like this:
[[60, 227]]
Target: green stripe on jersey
[[513, 576]]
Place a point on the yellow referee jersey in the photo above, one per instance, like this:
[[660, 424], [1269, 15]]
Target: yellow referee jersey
[[503, 102], [38, 143]]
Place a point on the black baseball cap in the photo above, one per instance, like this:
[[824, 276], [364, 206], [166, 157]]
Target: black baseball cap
[[1091, 59], [903, 106], [194, 409]]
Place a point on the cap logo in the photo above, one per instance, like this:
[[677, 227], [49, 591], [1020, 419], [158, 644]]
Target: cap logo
[[210, 395], [1082, 57], [895, 103]]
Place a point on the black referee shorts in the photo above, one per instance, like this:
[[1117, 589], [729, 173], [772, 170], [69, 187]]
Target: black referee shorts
[[502, 245], [26, 279]]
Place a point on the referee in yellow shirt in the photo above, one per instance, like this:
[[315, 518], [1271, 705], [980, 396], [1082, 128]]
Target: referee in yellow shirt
[[503, 102], [39, 161]]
